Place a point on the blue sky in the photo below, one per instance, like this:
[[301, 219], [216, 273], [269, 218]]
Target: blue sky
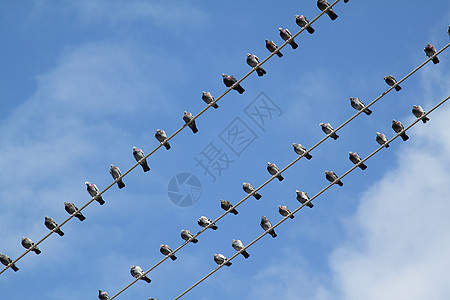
[[83, 82]]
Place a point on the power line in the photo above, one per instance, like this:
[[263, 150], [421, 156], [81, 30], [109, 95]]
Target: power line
[[312, 198], [285, 168]]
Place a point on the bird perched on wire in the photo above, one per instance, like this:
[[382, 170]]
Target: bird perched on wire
[[71, 209], [165, 250], [284, 211], [359, 105], [220, 259], [6, 260], [208, 98], [420, 113], [398, 127], [327, 128], [287, 36], [139, 156], [51, 224], [205, 222], [94, 192], [273, 169], [299, 149], [248, 188], [186, 235], [187, 117], [382, 140], [136, 272], [323, 5], [390, 80], [430, 51], [229, 81], [226, 205], [267, 226], [238, 246], [161, 136], [356, 159], [272, 47], [332, 177], [302, 21], [27, 243], [103, 295], [303, 198], [115, 173], [253, 61]]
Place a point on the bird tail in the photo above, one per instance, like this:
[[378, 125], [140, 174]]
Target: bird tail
[[146, 279], [59, 231], [100, 200], [215, 106], [240, 89], [435, 60], [257, 196], [292, 216], [367, 111], [279, 54], [145, 167], [195, 241], [334, 136], [310, 205], [36, 250], [173, 257], [260, 71], [397, 88], [404, 136], [214, 227], [362, 166], [245, 254], [80, 217], [293, 44], [167, 145], [272, 233], [228, 264], [340, 183], [333, 16], [120, 184], [387, 145], [194, 129], [425, 119], [308, 156], [15, 268], [280, 178], [310, 29], [234, 211]]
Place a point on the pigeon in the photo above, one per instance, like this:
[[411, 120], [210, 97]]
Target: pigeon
[[273, 169], [390, 80], [161, 136], [6, 260], [419, 113], [331, 177], [299, 149], [103, 295], [229, 81], [265, 224], [138, 155], [208, 98], [136, 272], [220, 259], [272, 47], [248, 188], [326, 127], [93, 191], [286, 35], [115, 173], [302, 21], [356, 159], [398, 127], [359, 105], [186, 235], [238, 246], [323, 5], [284, 211], [303, 197], [430, 51], [205, 222], [51, 224], [27, 243], [253, 61], [226, 205], [165, 250], [71, 208], [187, 117], [382, 140]]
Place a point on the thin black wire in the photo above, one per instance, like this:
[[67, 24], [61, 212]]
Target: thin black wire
[[306, 203]]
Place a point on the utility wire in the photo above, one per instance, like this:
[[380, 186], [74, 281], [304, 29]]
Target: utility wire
[[285, 168], [304, 204], [168, 139]]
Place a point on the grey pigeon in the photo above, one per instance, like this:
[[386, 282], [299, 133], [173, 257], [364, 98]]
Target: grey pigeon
[[208, 98], [286, 35], [430, 51], [220, 259], [299, 149], [115, 173], [94, 191], [71, 208], [356, 159], [284, 211], [302, 21], [186, 235], [226, 205], [398, 127], [303, 197], [103, 295], [382, 140], [238, 246], [165, 250], [27, 243], [326, 127], [205, 222], [138, 155], [331, 177], [253, 61], [230, 81], [161, 136], [6, 260], [187, 117], [390, 80], [248, 188], [273, 169], [323, 5], [51, 224], [265, 224], [359, 105], [272, 47], [136, 272], [419, 113]]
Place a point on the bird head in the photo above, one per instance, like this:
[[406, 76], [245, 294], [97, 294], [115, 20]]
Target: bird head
[[87, 183]]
